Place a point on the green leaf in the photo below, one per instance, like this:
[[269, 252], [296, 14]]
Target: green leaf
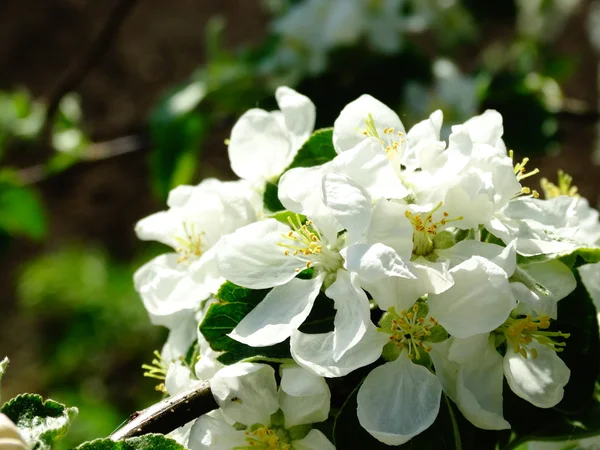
[[316, 151], [271, 199], [21, 212], [443, 434], [221, 318], [581, 256], [145, 442], [40, 422]]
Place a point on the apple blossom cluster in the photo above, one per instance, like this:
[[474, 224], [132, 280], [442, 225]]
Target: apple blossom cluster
[[310, 29], [430, 266]]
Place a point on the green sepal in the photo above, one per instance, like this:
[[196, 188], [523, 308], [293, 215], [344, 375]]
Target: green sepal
[[299, 431], [444, 239], [277, 419], [390, 351], [282, 216], [438, 334], [239, 426]]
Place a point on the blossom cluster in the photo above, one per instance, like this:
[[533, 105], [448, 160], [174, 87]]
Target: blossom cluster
[[441, 267]]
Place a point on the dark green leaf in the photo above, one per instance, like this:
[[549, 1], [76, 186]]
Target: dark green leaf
[[221, 318], [320, 319], [316, 151], [145, 442], [270, 198], [40, 422]]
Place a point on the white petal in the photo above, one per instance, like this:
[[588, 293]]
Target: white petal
[[160, 227], [300, 190], [479, 383], [349, 203], [543, 284], [401, 293], [348, 127], [304, 397], [538, 380], [314, 440], [251, 256], [590, 275], [398, 400], [390, 227], [486, 128], [368, 165], [215, 434], [167, 290], [299, 114], [259, 147], [180, 338], [504, 257], [428, 129], [479, 301], [315, 352], [280, 313], [376, 261], [472, 199], [353, 313], [246, 392], [10, 436], [179, 378]]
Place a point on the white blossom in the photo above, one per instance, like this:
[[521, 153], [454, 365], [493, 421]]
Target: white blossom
[[255, 413]]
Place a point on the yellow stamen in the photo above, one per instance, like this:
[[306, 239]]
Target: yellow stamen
[[191, 245], [519, 333], [565, 186]]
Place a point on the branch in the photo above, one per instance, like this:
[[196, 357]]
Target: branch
[[169, 414], [96, 151], [589, 116], [77, 72]]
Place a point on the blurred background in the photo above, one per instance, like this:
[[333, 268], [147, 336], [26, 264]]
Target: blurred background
[[106, 106]]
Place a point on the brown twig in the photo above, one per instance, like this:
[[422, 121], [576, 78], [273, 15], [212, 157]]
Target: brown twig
[[77, 72], [169, 414], [96, 151]]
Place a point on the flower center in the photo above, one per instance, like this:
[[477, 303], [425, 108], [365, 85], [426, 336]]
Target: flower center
[[519, 333], [409, 329], [265, 438], [306, 244], [191, 246], [425, 229], [393, 142], [521, 173]]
